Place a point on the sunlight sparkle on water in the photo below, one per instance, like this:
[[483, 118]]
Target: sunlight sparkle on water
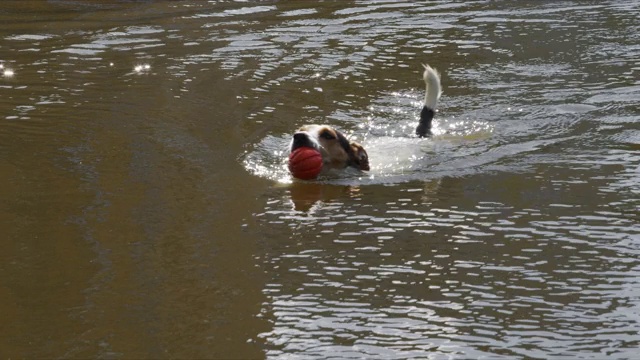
[[141, 68], [6, 72]]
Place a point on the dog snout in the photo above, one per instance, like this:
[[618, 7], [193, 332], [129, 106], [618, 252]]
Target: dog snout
[[300, 136], [301, 139]]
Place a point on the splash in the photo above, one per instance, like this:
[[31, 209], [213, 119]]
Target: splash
[[396, 155]]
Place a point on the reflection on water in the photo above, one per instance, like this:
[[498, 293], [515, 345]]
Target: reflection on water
[[148, 213]]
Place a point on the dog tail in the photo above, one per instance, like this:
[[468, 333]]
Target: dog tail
[[432, 94]]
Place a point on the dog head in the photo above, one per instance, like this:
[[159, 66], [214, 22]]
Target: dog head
[[337, 151]]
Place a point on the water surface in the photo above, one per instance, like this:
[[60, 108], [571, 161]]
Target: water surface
[[147, 211]]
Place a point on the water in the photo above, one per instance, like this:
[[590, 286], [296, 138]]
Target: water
[[147, 211]]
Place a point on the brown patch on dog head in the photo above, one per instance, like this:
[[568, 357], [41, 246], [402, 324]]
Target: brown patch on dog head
[[332, 142], [360, 157], [337, 151], [356, 156]]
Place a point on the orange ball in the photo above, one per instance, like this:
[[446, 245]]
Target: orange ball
[[305, 163]]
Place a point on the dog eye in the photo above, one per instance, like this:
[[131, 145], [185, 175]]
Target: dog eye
[[327, 135]]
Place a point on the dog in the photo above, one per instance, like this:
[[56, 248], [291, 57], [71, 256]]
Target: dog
[[338, 152]]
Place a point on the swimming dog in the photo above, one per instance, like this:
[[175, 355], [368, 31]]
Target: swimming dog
[[340, 153]]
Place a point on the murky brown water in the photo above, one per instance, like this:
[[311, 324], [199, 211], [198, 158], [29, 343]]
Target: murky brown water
[[146, 211]]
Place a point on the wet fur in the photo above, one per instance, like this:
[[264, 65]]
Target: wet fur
[[340, 153]]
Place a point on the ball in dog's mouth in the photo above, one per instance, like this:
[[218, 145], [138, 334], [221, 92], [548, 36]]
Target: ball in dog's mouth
[[305, 163]]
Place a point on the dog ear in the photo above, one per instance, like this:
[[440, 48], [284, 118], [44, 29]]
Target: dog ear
[[360, 156]]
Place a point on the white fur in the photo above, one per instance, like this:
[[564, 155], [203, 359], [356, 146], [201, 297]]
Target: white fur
[[434, 90], [312, 135]]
